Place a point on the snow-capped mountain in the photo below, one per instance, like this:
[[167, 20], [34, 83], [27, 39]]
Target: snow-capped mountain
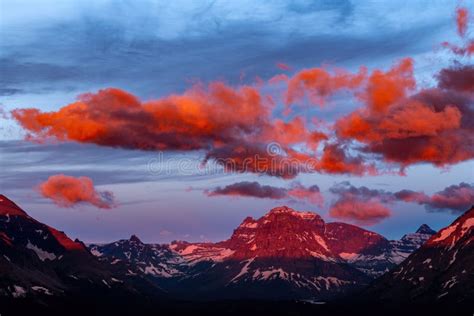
[[135, 257], [388, 255], [296, 254], [441, 270], [402, 248], [283, 254], [38, 261]]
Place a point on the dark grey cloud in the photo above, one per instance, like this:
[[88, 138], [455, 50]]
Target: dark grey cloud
[[25, 165], [252, 189], [130, 50], [456, 198]]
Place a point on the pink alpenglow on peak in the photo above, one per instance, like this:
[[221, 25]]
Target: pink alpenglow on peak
[[7, 207]]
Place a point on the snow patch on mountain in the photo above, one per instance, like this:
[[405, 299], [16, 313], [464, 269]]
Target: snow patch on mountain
[[245, 269], [42, 290], [18, 291], [42, 254]]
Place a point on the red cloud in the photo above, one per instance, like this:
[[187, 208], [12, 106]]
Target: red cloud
[[283, 66], [461, 21], [433, 125], [467, 48], [385, 88], [229, 124], [296, 191], [362, 212], [233, 126], [318, 84], [335, 160], [67, 191], [195, 120]]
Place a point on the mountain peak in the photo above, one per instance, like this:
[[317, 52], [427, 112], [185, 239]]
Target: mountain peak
[[8, 207], [281, 209], [135, 239], [425, 229], [285, 210]]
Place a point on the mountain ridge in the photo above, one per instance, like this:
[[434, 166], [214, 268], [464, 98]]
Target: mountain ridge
[[266, 249]]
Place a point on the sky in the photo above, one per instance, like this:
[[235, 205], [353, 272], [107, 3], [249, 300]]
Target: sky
[[119, 117]]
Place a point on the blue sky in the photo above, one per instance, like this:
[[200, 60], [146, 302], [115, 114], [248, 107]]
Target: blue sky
[[52, 51]]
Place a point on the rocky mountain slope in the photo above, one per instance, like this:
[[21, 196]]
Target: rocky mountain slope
[[441, 270], [39, 261]]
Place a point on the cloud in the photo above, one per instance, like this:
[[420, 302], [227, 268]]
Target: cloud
[[455, 198], [396, 124], [462, 17], [346, 189], [335, 160], [296, 191], [430, 126], [112, 117], [362, 212], [467, 47], [458, 78], [283, 66], [218, 119], [67, 191], [318, 84], [310, 194], [359, 204], [233, 126], [251, 189], [96, 45]]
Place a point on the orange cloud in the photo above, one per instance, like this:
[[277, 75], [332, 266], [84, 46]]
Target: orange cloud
[[432, 125], [233, 126], [385, 88], [462, 16], [335, 160], [362, 212], [467, 47], [194, 120], [318, 83], [67, 191]]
